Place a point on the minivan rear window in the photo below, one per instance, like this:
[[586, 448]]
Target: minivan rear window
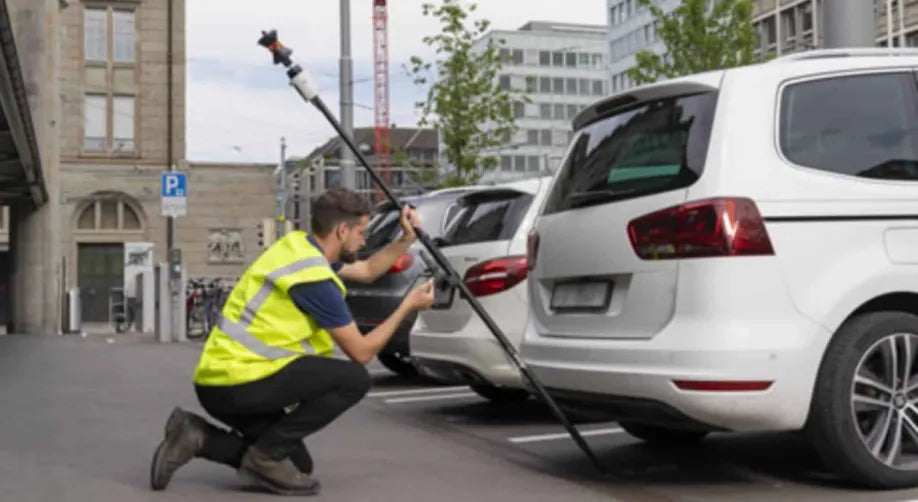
[[652, 147], [487, 217]]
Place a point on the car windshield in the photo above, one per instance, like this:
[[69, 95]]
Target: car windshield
[[648, 148]]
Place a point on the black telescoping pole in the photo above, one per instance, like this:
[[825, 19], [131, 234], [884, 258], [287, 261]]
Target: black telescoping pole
[[301, 83]]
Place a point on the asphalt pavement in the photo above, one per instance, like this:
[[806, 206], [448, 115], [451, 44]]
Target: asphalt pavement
[[82, 416]]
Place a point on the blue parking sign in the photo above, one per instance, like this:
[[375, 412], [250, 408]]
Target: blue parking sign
[[174, 193], [173, 185]]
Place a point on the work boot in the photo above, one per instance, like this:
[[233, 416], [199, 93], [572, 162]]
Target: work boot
[[279, 476], [185, 433]]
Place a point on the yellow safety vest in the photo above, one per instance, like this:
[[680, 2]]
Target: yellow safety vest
[[261, 329]]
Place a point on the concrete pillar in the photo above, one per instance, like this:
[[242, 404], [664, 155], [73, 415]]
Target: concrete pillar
[[36, 278], [848, 23]]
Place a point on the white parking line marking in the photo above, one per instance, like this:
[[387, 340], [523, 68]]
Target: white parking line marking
[[429, 398], [426, 390], [562, 435]]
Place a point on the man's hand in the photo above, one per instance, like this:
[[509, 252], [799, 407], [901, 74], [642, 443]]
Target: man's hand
[[409, 220], [421, 297], [374, 267]]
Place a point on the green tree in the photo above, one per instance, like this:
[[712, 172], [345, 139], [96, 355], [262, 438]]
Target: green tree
[[700, 35], [465, 100]]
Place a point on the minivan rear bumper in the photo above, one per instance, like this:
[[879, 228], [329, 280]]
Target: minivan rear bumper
[[591, 373]]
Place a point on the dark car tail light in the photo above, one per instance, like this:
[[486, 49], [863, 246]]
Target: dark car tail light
[[706, 228], [532, 248], [494, 276], [402, 264]]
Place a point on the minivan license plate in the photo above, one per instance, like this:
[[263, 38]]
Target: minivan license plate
[[586, 295]]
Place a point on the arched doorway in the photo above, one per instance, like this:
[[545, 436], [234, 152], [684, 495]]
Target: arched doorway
[[102, 224]]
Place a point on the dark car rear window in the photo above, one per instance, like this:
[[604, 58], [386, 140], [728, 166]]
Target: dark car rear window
[[649, 148], [384, 225], [487, 217]]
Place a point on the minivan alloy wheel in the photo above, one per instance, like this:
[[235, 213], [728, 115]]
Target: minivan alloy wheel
[[884, 400]]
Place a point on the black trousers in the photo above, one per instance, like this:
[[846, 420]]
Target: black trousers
[[318, 389]]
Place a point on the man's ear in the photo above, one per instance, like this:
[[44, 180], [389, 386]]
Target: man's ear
[[341, 230]]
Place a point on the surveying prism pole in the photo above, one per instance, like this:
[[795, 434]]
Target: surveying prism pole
[[300, 81]]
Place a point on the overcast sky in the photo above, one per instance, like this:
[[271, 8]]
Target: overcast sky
[[239, 105]]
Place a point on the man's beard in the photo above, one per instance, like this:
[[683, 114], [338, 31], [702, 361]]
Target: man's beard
[[347, 256]]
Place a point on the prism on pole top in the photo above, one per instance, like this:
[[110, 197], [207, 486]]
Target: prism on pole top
[[281, 54]]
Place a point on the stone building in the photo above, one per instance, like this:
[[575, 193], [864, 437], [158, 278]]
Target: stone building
[[108, 79]]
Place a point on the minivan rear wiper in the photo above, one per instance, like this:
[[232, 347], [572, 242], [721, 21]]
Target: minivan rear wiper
[[590, 197]]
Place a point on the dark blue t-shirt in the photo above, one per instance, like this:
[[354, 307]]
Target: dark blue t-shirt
[[323, 300]]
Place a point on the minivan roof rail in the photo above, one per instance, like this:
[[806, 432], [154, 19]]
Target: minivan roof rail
[[848, 52]]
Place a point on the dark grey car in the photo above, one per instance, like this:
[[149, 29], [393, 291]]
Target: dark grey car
[[371, 304]]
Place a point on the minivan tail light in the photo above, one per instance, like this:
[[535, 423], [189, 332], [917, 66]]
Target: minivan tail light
[[705, 228], [494, 276], [532, 248], [402, 264]]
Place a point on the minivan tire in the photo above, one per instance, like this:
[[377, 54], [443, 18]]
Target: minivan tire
[[662, 436], [397, 365], [499, 394], [831, 425]]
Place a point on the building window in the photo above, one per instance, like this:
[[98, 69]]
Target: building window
[[911, 39], [584, 87], [533, 162], [545, 137], [806, 17], [571, 111], [559, 112], [532, 137], [597, 88], [519, 163], [545, 111], [572, 86], [95, 35], [570, 60], [583, 60], [518, 57], [544, 84], [98, 113], [558, 85], [505, 82], [557, 59], [544, 58], [597, 61], [789, 24], [123, 33], [123, 123], [613, 12], [506, 163], [94, 122]]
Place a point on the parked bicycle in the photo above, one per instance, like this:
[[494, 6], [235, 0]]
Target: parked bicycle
[[204, 300]]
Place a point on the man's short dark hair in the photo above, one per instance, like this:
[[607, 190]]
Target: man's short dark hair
[[337, 205]]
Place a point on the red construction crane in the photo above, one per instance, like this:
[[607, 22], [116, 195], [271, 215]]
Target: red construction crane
[[383, 147]]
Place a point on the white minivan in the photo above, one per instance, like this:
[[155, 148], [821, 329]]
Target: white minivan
[[486, 244], [738, 251]]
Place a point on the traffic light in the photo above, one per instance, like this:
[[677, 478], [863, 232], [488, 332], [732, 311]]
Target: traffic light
[[266, 235]]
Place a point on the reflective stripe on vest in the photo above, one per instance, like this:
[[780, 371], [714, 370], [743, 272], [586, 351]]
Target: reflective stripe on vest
[[239, 331]]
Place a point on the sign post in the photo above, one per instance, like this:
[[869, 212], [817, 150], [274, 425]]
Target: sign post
[[174, 197]]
